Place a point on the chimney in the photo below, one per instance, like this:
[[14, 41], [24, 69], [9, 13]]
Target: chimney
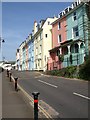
[[35, 26]]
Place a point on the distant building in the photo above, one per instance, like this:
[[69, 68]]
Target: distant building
[[30, 53], [21, 55], [17, 60]]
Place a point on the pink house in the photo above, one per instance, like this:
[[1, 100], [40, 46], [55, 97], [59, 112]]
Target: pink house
[[58, 38]]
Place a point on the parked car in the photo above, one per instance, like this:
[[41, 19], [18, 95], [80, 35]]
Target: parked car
[[7, 66]]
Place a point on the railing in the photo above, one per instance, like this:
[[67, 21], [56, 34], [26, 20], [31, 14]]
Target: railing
[[77, 59]]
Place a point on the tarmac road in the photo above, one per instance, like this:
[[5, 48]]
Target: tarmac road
[[68, 97]]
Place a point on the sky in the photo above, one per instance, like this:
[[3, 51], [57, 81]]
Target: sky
[[18, 19]]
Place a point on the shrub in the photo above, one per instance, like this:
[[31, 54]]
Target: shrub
[[64, 72], [84, 72]]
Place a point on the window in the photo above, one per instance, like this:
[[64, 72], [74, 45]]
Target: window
[[76, 48], [40, 48], [46, 35], [59, 25], [58, 53], [45, 58], [36, 66], [74, 16], [38, 62], [48, 22], [59, 38], [75, 32]]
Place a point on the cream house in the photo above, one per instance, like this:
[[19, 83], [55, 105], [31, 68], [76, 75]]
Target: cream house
[[42, 43]]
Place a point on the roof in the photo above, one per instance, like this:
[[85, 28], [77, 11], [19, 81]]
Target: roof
[[68, 13]]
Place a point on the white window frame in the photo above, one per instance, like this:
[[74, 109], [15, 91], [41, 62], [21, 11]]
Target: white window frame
[[73, 16], [75, 32]]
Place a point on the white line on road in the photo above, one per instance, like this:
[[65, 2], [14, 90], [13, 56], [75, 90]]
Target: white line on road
[[81, 96], [48, 83]]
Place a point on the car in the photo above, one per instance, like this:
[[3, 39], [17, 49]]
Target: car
[[7, 66]]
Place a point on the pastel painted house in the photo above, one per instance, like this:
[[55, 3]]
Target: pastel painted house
[[30, 53], [42, 43], [58, 37], [71, 40], [24, 56], [17, 60], [77, 36]]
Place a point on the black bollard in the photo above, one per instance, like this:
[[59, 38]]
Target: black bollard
[[16, 78], [7, 73], [10, 75], [2, 69], [35, 94]]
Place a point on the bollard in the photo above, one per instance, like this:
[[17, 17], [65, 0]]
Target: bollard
[[7, 73], [10, 75], [16, 83], [2, 69], [35, 94]]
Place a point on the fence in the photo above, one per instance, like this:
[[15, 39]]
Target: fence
[[74, 59]]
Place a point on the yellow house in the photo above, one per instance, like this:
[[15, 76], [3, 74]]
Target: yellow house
[[42, 43]]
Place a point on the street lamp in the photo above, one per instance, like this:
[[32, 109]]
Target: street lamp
[[1, 41]]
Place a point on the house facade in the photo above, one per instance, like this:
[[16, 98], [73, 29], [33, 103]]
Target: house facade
[[73, 46], [42, 43], [58, 37], [56, 43], [17, 60], [21, 55], [24, 56], [30, 53]]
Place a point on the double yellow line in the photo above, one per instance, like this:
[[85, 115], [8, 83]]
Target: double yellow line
[[31, 99]]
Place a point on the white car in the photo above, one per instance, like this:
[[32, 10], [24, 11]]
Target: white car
[[7, 66]]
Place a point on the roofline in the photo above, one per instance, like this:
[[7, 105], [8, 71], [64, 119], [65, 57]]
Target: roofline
[[68, 13]]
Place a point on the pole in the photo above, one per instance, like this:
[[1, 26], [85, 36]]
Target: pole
[[1, 48], [16, 78], [10, 75], [35, 94]]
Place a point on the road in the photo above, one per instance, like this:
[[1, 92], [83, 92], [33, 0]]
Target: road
[[68, 98]]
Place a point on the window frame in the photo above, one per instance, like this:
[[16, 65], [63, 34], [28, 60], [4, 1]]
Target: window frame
[[46, 35], [74, 16], [75, 32]]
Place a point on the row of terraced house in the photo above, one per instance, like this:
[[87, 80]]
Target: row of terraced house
[[57, 42]]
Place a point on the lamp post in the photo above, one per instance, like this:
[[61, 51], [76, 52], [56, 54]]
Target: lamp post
[[1, 41]]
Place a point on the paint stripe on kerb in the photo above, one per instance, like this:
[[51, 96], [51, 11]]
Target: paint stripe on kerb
[[81, 96], [48, 83]]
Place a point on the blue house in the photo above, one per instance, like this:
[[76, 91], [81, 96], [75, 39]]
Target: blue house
[[31, 52], [76, 46]]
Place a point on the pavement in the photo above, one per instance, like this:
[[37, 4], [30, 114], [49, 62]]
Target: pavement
[[14, 104]]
